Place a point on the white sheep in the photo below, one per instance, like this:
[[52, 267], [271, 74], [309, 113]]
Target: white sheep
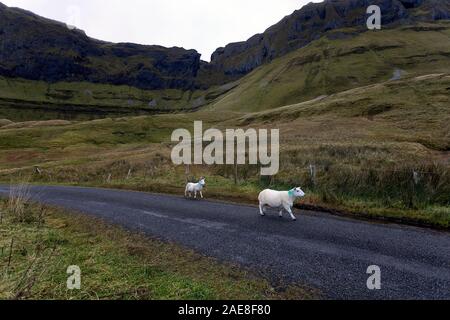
[[283, 200], [195, 188]]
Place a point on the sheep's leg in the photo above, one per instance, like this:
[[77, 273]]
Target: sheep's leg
[[195, 196], [261, 209], [289, 209], [201, 194], [281, 213]]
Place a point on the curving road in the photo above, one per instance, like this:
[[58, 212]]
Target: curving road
[[322, 251]]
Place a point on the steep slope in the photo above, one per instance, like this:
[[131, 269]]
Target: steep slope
[[365, 144], [314, 20], [23, 100], [36, 48], [49, 71], [415, 109], [331, 65]]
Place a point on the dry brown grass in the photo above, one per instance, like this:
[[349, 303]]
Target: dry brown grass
[[377, 135], [34, 124], [4, 122], [19, 197]]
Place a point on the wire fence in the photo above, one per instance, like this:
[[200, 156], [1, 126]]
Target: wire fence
[[412, 186]]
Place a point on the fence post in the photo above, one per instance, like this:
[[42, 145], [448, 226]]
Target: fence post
[[187, 172], [312, 169], [272, 180], [10, 255], [416, 177]]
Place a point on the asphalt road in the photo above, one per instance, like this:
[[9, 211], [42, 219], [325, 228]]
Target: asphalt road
[[322, 251]]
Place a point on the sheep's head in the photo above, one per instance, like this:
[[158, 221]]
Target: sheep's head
[[202, 181], [298, 192]]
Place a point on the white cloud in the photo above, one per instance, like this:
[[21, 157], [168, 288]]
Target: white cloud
[[203, 25]]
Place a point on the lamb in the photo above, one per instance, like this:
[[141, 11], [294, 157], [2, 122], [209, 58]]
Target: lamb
[[283, 200], [195, 188]]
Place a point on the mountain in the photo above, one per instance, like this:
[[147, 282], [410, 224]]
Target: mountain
[[368, 109], [35, 48], [313, 21], [332, 64]]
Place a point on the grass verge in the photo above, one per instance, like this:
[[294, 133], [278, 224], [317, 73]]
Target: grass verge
[[39, 243]]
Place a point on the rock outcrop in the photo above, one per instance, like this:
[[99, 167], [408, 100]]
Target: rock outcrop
[[36, 48], [311, 22]]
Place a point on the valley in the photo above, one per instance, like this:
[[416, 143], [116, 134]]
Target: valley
[[101, 143], [363, 115]]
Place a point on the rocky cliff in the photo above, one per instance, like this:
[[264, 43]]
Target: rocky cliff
[[312, 22], [36, 48]]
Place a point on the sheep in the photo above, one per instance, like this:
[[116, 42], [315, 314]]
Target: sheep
[[195, 188], [283, 200]]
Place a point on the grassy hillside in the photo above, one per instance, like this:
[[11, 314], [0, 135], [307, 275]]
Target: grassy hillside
[[414, 110], [369, 113], [22, 100], [341, 61], [365, 144]]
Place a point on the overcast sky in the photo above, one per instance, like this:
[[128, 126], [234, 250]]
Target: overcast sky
[[203, 25]]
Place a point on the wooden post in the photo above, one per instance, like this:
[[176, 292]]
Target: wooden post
[[236, 173], [187, 172], [129, 174], [416, 177], [10, 255], [312, 169]]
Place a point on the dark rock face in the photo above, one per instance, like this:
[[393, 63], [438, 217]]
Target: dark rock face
[[35, 48], [408, 4], [312, 22]]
